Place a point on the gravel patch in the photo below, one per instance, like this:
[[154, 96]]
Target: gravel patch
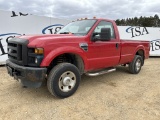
[[115, 96]]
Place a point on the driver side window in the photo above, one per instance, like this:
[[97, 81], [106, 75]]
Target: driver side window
[[104, 24]]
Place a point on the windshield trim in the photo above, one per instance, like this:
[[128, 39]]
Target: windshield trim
[[81, 34]]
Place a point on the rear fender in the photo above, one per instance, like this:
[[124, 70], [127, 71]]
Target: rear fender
[[140, 47]]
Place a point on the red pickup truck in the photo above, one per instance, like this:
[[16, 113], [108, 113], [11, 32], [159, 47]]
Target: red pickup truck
[[89, 46]]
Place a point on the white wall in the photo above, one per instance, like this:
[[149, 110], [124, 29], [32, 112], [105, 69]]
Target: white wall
[[151, 34], [15, 23]]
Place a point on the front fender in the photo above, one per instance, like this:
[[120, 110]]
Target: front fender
[[61, 50]]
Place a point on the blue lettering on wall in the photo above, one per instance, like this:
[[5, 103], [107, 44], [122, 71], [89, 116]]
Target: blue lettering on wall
[[137, 31], [9, 34], [7, 37], [20, 13], [52, 29], [155, 45]]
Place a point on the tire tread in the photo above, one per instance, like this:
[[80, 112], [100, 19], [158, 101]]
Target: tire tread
[[132, 64]]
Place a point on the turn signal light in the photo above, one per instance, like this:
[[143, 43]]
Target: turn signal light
[[38, 51]]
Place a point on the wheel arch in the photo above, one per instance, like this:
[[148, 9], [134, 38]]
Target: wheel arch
[[141, 52], [70, 57]]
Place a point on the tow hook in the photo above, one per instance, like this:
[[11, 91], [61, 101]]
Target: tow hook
[[15, 74]]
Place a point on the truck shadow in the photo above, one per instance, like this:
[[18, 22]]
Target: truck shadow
[[109, 79], [154, 57], [2, 65]]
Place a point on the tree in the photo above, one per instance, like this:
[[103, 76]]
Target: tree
[[141, 21], [156, 20]]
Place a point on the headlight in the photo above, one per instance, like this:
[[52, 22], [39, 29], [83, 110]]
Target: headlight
[[36, 60], [35, 56]]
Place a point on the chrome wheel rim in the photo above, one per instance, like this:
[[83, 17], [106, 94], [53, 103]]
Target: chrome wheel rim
[[138, 64], [67, 81]]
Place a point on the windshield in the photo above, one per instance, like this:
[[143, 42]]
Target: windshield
[[81, 27]]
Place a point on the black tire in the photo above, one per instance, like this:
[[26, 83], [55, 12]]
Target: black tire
[[63, 80], [136, 64]]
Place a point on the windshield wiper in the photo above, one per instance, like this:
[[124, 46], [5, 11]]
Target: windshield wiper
[[65, 33]]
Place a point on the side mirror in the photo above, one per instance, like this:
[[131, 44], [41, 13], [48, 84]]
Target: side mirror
[[95, 36], [105, 34]]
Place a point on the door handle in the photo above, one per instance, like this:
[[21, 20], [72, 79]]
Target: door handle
[[117, 45]]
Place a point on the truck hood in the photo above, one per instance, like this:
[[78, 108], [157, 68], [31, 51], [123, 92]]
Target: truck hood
[[41, 40]]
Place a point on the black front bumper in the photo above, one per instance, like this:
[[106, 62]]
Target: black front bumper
[[29, 76]]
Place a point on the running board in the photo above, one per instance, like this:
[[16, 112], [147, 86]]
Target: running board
[[96, 73]]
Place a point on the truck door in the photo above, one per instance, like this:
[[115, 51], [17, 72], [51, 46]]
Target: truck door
[[104, 53]]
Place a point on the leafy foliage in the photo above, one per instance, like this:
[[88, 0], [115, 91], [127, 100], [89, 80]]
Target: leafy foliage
[[141, 21]]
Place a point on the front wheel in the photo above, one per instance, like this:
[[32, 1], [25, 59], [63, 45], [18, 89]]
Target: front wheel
[[63, 80], [136, 64]]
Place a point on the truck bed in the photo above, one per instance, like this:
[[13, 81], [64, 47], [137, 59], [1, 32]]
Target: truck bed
[[129, 47]]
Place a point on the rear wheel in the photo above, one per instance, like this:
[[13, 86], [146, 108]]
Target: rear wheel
[[63, 80], [136, 64]]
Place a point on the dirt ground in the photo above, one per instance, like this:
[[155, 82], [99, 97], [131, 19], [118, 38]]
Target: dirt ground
[[114, 96]]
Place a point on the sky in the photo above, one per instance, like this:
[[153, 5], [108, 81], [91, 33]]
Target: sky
[[74, 9]]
